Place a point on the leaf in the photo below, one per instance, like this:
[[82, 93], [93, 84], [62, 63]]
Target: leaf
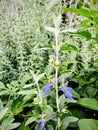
[[14, 125], [51, 3], [3, 92], [62, 101], [70, 101], [94, 13], [75, 94], [24, 92], [50, 127], [96, 20], [49, 46], [2, 86], [83, 34], [84, 12], [32, 119], [51, 116], [40, 76], [8, 124], [23, 127], [3, 112], [50, 29], [1, 105], [25, 78], [28, 85], [28, 97], [88, 124], [57, 20], [68, 120], [48, 70], [68, 47], [89, 103], [47, 109], [69, 30], [17, 105]]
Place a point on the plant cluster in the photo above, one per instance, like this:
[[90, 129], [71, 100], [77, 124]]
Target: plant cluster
[[48, 65]]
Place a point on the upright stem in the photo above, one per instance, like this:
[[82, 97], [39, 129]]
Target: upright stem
[[57, 47], [39, 91], [56, 75], [56, 69], [56, 85]]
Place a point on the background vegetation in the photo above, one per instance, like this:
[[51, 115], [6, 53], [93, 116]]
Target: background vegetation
[[28, 31]]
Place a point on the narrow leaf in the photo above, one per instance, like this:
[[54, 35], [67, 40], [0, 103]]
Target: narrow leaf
[[83, 34], [31, 119], [68, 47], [3, 112], [82, 11]]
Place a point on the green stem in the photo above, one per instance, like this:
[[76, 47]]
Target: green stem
[[91, 4], [56, 85], [39, 91], [56, 76]]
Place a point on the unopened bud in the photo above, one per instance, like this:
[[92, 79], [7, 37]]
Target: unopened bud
[[51, 61], [57, 63]]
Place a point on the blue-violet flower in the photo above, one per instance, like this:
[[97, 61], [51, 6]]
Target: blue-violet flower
[[67, 91], [47, 87], [42, 123]]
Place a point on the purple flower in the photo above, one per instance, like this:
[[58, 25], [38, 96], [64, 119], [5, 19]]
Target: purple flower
[[55, 119], [68, 14], [42, 123], [47, 87], [67, 91]]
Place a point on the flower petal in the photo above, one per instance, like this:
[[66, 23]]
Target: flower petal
[[39, 120], [67, 91], [46, 89], [42, 125]]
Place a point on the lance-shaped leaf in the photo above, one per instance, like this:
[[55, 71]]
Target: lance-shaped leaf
[[82, 34], [3, 112], [82, 11], [50, 29], [68, 47], [89, 103]]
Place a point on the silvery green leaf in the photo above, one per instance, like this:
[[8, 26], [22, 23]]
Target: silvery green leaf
[[24, 92], [14, 125], [31, 119], [57, 20], [2, 86], [69, 30], [40, 76], [67, 120], [52, 3], [50, 29], [28, 85], [51, 116], [3, 112]]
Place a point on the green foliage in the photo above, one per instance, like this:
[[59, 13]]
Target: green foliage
[[88, 124], [89, 103], [53, 42], [6, 121]]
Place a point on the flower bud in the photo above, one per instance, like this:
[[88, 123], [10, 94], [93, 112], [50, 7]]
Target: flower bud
[[51, 61], [57, 63]]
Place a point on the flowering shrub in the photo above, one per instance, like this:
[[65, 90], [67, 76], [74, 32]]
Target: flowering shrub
[[48, 56]]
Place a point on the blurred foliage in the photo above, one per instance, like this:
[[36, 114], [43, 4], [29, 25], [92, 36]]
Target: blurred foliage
[[27, 61]]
